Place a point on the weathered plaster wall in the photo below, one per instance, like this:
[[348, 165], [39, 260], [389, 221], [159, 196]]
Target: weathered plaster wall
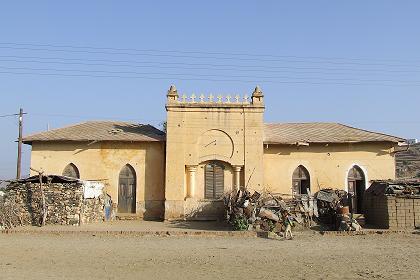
[[328, 165], [104, 161], [197, 133]]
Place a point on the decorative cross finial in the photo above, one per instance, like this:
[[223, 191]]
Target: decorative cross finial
[[202, 98], [246, 99], [228, 98], [211, 97], [237, 97], [219, 98], [184, 98], [193, 97]]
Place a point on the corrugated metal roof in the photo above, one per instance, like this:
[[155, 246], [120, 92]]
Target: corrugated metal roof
[[101, 131], [292, 133], [274, 133]]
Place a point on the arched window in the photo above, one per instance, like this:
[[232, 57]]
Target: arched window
[[301, 181], [127, 190], [356, 187], [71, 171], [214, 178]]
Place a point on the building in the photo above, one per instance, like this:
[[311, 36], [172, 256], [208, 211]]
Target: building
[[213, 145]]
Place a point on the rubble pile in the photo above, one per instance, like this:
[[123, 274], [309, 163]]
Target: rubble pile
[[267, 211], [334, 211], [65, 203]]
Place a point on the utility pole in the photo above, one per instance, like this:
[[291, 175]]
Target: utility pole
[[19, 156]]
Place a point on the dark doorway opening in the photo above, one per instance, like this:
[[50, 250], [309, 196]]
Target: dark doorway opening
[[127, 190], [356, 187], [301, 181]]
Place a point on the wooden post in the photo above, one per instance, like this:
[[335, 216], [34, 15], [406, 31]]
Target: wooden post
[[44, 211], [19, 155]]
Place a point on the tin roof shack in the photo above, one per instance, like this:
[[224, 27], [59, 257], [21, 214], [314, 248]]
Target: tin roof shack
[[68, 201], [393, 204]]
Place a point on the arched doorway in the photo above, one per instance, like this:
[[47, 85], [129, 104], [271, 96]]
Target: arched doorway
[[71, 171], [301, 181], [214, 180], [127, 190], [356, 187]]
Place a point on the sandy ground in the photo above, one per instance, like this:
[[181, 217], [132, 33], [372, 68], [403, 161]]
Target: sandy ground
[[309, 256], [134, 226]]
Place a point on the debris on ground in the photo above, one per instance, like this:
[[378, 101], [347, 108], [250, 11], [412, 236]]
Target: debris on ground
[[264, 211], [399, 188]]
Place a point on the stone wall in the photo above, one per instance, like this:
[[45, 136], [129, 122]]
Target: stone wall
[[65, 203], [392, 212]]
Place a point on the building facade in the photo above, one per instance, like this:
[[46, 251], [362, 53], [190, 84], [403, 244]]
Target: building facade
[[213, 145]]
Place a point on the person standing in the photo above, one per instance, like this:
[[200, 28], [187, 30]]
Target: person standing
[[288, 222], [108, 207]]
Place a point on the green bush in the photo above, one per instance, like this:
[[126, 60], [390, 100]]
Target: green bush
[[240, 224]]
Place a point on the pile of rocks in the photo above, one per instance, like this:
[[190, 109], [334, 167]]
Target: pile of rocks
[[65, 201]]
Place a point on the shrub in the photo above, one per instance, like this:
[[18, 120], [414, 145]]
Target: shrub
[[240, 224]]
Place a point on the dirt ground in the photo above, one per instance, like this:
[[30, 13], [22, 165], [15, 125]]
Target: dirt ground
[[309, 256]]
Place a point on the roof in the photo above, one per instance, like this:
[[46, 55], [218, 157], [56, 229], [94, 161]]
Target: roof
[[274, 133], [49, 178], [100, 131], [292, 133], [394, 187]]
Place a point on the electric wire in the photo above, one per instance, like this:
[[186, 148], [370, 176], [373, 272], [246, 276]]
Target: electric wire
[[199, 52], [207, 65], [164, 66]]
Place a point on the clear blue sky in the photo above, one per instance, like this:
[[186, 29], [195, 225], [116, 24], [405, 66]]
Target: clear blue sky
[[355, 62]]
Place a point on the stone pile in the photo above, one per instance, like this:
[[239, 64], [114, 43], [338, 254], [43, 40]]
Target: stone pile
[[65, 203]]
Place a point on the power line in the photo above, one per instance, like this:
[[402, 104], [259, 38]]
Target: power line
[[414, 83], [204, 57], [201, 68], [198, 52], [236, 66], [10, 115], [203, 79]]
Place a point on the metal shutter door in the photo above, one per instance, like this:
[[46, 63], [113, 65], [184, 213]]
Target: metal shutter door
[[209, 182]]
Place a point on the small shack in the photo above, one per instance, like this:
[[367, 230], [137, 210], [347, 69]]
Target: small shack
[[393, 204], [53, 200]]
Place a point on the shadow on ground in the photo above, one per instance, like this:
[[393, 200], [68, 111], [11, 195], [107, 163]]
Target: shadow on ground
[[200, 225]]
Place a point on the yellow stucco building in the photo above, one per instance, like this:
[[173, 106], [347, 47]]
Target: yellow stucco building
[[213, 145]]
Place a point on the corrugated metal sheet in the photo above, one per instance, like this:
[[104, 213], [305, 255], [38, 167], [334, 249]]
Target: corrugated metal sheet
[[101, 131], [292, 133]]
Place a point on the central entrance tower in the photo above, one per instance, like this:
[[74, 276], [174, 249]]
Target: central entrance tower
[[214, 145]]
